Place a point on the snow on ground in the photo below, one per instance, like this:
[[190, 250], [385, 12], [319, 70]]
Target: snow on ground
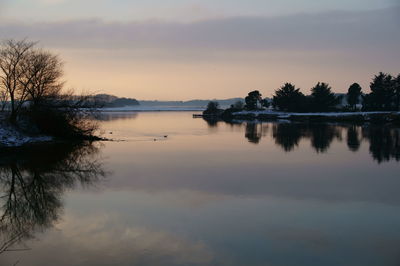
[[11, 137], [287, 115]]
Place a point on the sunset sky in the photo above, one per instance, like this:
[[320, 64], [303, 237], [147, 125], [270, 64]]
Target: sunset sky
[[184, 49]]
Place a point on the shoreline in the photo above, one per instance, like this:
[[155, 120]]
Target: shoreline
[[12, 137], [266, 115]]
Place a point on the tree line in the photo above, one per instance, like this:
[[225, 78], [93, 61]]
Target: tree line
[[31, 92], [384, 96]]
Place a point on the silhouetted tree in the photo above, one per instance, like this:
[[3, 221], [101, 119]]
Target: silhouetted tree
[[353, 95], [322, 99], [289, 99], [212, 108], [382, 93], [31, 79], [13, 60], [397, 92], [41, 77], [253, 100], [265, 103]]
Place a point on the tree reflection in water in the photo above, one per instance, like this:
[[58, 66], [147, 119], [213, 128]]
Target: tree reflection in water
[[32, 183], [322, 136], [353, 138], [288, 135], [384, 140], [255, 131]]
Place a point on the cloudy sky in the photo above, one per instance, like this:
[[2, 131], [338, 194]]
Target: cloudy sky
[[185, 49]]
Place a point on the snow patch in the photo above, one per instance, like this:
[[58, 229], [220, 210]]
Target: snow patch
[[288, 115], [11, 137]]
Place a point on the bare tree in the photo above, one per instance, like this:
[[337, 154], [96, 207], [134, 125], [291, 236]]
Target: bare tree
[[34, 76], [13, 56], [42, 73]]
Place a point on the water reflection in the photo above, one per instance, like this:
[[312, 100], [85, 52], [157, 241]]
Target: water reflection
[[353, 138], [206, 196], [384, 140], [254, 132], [32, 183], [111, 116], [288, 135]]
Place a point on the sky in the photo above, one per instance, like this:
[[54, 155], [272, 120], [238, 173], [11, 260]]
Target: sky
[[186, 49]]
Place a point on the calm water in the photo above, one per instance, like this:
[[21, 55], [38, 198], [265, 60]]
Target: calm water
[[180, 191]]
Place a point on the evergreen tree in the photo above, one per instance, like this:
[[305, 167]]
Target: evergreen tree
[[322, 98], [397, 92], [353, 95], [382, 93], [288, 98]]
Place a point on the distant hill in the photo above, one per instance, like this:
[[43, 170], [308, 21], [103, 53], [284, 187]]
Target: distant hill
[[108, 101], [111, 101], [191, 103]]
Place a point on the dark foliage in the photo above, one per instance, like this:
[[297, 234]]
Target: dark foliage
[[212, 109], [322, 99], [382, 93], [253, 100], [354, 95], [236, 107], [64, 116], [266, 103], [289, 99], [397, 93]]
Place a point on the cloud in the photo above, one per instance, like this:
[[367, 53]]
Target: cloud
[[220, 57], [367, 30], [51, 2]]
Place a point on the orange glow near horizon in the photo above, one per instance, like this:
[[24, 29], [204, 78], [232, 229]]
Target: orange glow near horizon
[[224, 77]]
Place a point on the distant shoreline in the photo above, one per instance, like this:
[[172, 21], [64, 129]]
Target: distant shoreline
[[267, 115], [112, 110]]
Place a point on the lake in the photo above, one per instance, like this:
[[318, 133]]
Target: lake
[[173, 190]]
